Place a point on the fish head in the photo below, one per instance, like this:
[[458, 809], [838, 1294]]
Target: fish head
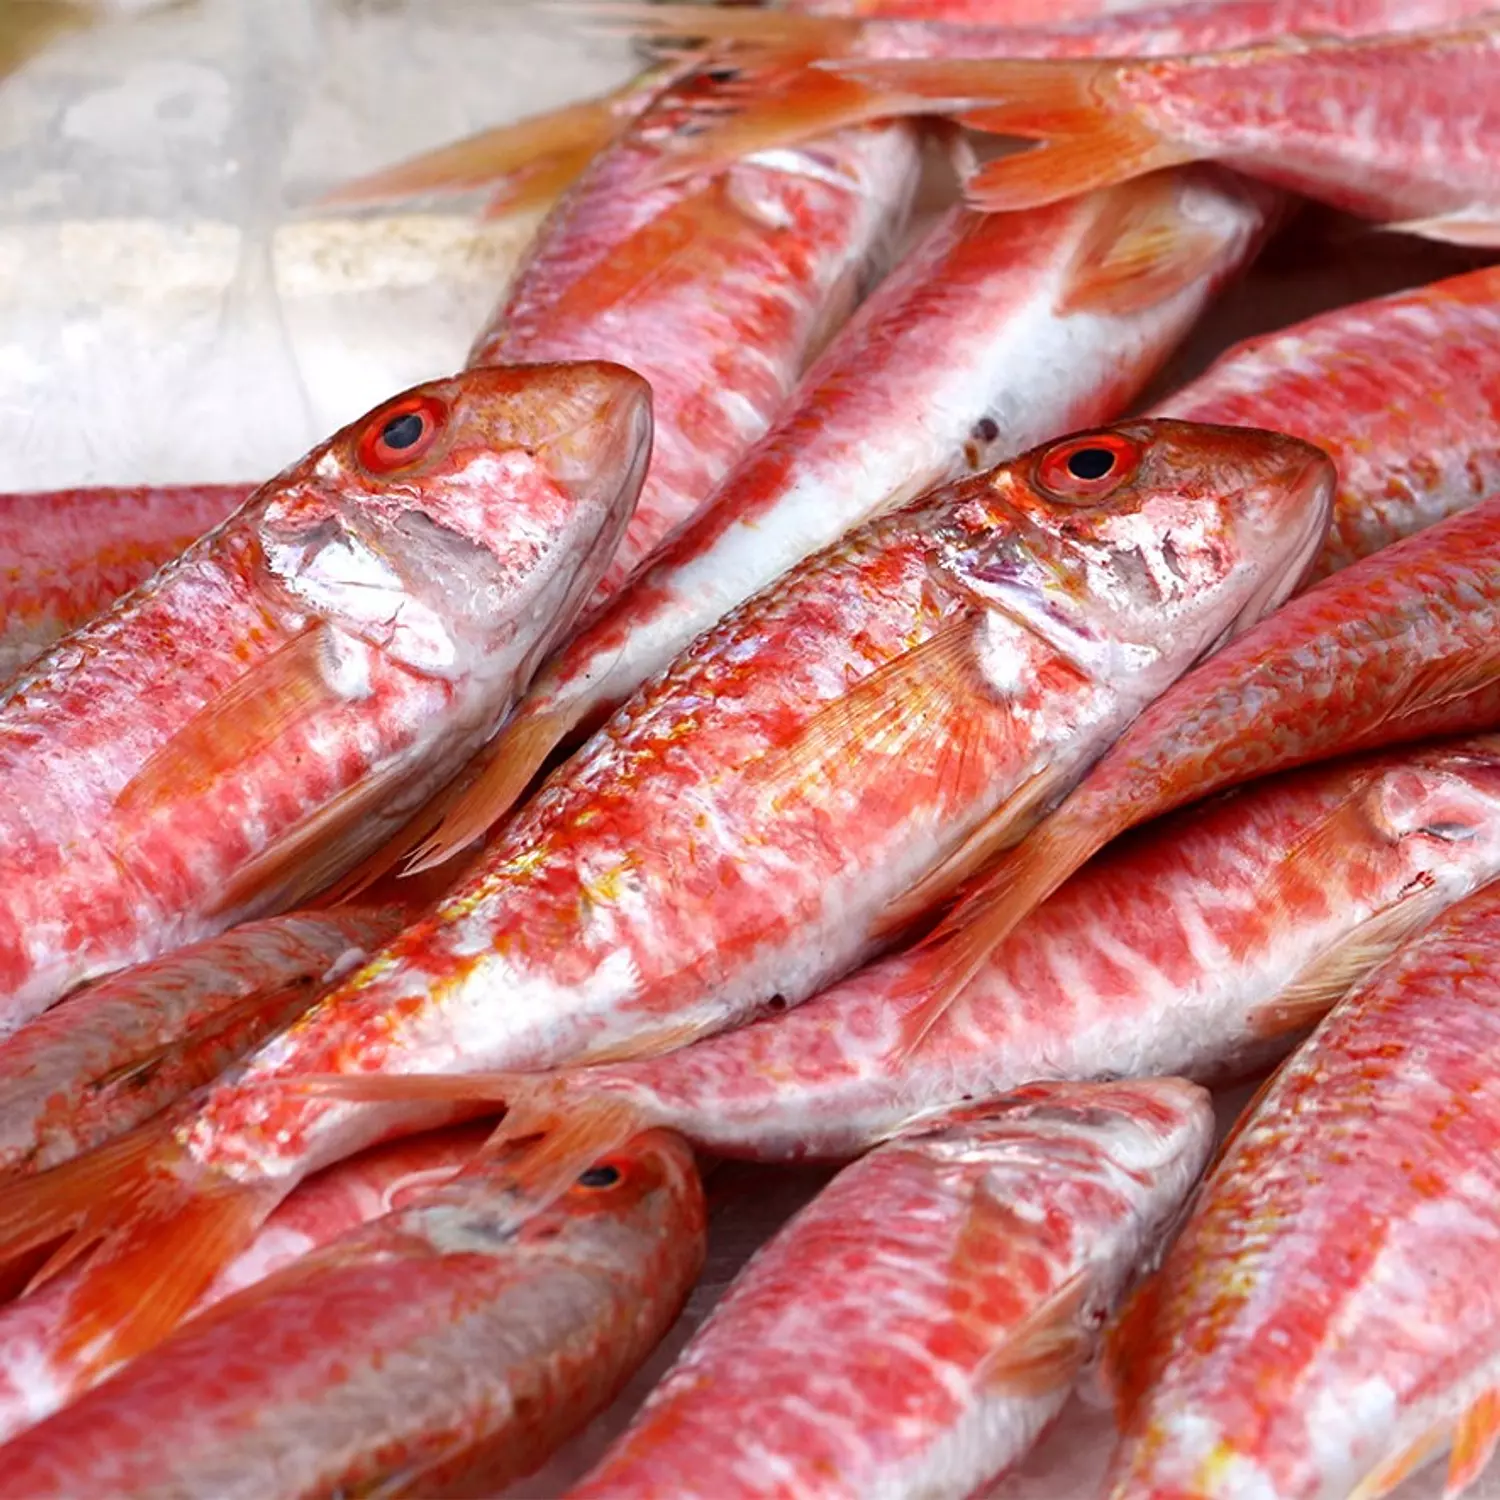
[[1137, 548], [462, 525], [646, 1193]]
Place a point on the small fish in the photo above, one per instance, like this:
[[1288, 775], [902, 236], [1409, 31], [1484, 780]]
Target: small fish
[[112, 1055], [1403, 393], [67, 555], [1400, 129], [1203, 946], [264, 710], [719, 292], [33, 1385], [1394, 649], [809, 100], [1327, 1322], [735, 837], [920, 1324], [993, 335], [437, 1345]]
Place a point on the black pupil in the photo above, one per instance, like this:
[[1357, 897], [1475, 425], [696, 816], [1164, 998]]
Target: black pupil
[[403, 431], [1090, 463], [599, 1177]]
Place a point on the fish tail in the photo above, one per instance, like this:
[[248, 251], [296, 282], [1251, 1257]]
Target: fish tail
[[162, 1229], [531, 160], [1091, 137], [554, 1126]]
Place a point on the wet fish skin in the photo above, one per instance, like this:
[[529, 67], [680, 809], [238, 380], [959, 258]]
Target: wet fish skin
[[741, 830], [993, 335], [1402, 391], [113, 1054], [1392, 650], [1204, 946], [435, 1339], [227, 739], [1326, 1321], [807, 98], [1396, 129], [719, 293], [68, 555], [34, 1384], [918, 1326]]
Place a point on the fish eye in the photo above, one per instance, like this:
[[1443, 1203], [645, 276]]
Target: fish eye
[[1084, 469], [602, 1176], [1087, 463], [402, 434], [403, 431]]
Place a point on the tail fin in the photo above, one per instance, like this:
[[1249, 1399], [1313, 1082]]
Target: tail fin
[[1093, 137], [527, 162], [163, 1231], [553, 1128]]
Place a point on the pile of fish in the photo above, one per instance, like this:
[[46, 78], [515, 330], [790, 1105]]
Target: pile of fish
[[790, 700]]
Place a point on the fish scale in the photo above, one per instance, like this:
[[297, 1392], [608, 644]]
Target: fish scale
[[918, 1325], [67, 555], [738, 834], [1324, 1323], [719, 293], [206, 750]]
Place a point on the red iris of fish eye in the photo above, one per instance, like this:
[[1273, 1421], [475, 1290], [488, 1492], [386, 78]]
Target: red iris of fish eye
[[401, 435], [1087, 468]]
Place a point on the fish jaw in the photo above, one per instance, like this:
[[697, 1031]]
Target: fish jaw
[[1206, 530], [519, 482]]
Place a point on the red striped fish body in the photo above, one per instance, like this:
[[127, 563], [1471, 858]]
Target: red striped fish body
[[920, 1323], [1391, 650], [719, 292], [1403, 392], [1327, 1323], [933, 58], [241, 727], [34, 1383], [743, 830], [67, 555], [993, 335], [116, 1052], [433, 1341], [1203, 946], [1399, 129]]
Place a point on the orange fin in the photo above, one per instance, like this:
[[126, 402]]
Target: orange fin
[[963, 942], [1139, 251], [1435, 683], [1093, 137], [283, 688], [1479, 228], [1396, 1470], [498, 776], [1330, 976], [1001, 830], [160, 1241], [750, 25], [909, 707], [1047, 1348], [39, 1209], [1474, 1441], [573, 134], [306, 857], [404, 1088]]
